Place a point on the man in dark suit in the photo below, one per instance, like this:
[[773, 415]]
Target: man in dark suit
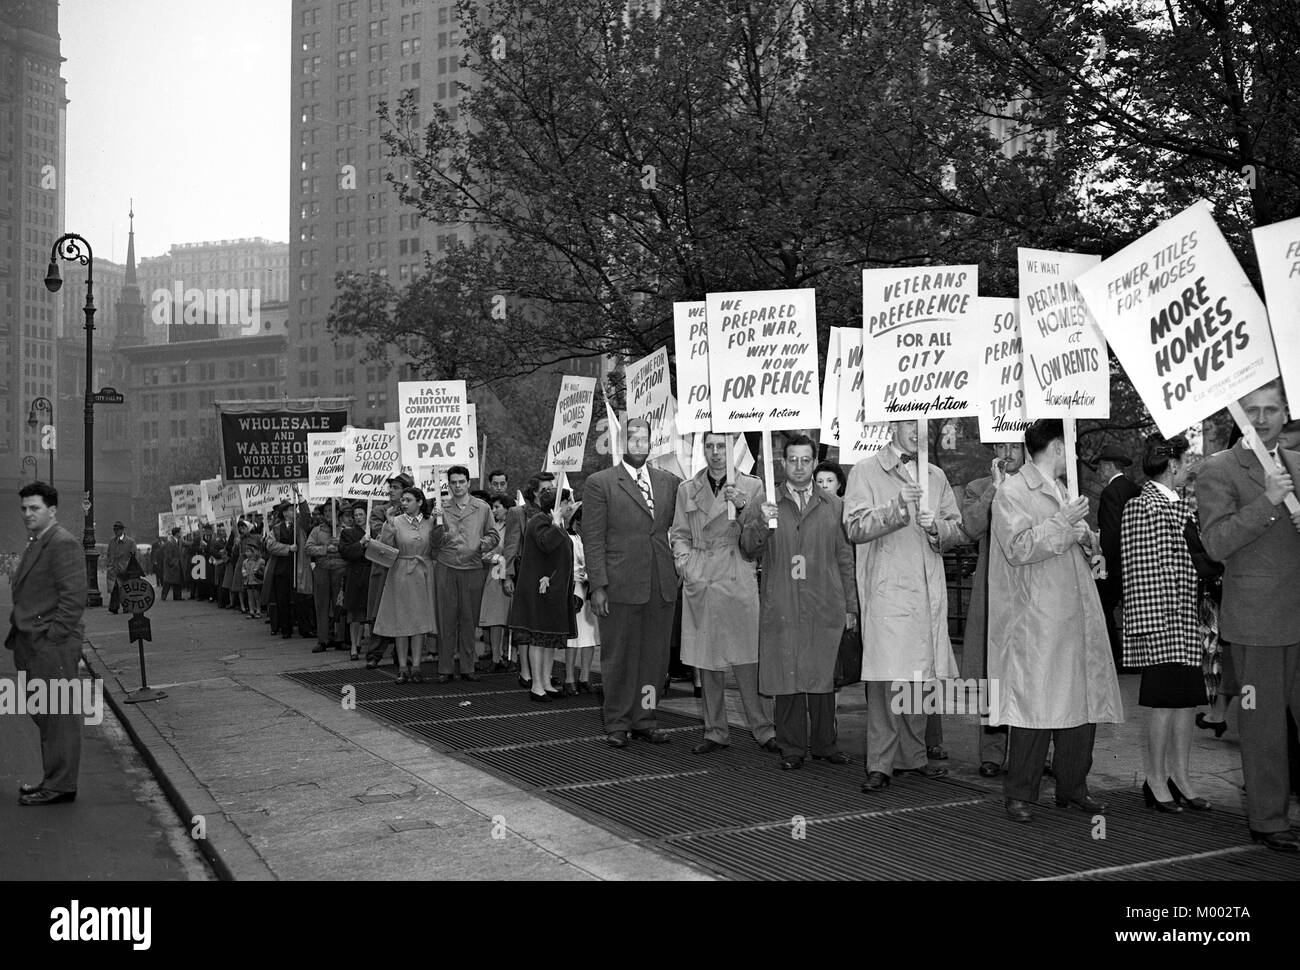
[[49, 591], [1119, 490], [121, 549], [1246, 526], [626, 513]]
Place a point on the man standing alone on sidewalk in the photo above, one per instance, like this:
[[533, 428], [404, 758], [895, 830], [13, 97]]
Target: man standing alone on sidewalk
[[120, 550], [459, 574], [49, 590]]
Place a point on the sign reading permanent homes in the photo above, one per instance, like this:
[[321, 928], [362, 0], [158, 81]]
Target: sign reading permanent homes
[[272, 445], [572, 422]]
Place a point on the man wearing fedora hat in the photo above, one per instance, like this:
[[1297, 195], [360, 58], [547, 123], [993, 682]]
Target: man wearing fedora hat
[[1119, 490]]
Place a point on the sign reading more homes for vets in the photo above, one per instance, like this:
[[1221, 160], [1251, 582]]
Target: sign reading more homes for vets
[[325, 465], [433, 419], [1183, 319], [1002, 373], [1278, 249], [572, 422], [691, 338], [858, 436], [272, 445], [370, 459], [920, 342], [763, 360], [1065, 353]]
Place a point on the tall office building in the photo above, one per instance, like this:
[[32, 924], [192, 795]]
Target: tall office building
[[32, 126]]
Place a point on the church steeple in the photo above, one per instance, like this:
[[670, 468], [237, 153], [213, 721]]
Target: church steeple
[[130, 250], [130, 304]]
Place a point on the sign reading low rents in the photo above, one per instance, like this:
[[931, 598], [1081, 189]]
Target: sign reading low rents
[[1065, 354], [572, 422]]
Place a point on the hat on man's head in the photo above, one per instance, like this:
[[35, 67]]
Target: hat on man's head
[[402, 480], [284, 506], [119, 524], [1113, 455]]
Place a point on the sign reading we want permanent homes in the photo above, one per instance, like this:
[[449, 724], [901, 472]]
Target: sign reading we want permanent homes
[[272, 445], [1064, 351]]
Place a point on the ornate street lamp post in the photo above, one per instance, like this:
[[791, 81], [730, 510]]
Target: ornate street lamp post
[[71, 246], [45, 405], [29, 460]]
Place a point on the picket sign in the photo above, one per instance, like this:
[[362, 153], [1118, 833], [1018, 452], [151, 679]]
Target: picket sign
[[731, 474], [1255, 445]]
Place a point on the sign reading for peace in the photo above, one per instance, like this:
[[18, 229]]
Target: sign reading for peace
[[1183, 319]]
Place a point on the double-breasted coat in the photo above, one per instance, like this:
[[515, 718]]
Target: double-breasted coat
[[806, 593], [1048, 651], [901, 581], [719, 585], [1161, 592]]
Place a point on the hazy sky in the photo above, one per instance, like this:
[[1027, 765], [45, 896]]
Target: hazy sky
[[183, 105]]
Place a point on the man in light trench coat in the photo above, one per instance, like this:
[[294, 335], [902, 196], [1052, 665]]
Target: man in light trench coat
[[904, 594], [720, 596], [807, 600], [1048, 652]]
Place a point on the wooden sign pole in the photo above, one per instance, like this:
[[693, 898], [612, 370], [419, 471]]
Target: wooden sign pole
[[1257, 446], [770, 478], [731, 474], [1071, 457], [923, 461]]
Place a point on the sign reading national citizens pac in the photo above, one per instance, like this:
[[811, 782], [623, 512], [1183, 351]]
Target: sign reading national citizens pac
[[691, 338], [1068, 372], [433, 419], [1183, 319], [920, 342], [763, 360], [572, 422]]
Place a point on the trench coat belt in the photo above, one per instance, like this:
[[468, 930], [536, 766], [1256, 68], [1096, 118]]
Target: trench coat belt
[[707, 545], [410, 563]]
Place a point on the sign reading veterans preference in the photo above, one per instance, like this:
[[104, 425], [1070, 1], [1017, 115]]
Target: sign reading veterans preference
[[272, 445], [370, 459], [1183, 319], [1065, 353], [858, 436], [920, 342], [647, 397], [572, 422], [763, 360], [1278, 249], [1001, 382], [325, 456], [434, 423], [691, 336]]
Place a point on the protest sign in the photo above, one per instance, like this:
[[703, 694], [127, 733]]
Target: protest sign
[[166, 522], [830, 430], [920, 342], [611, 425], [1278, 249], [763, 360], [1183, 319], [325, 454], [208, 489], [572, 421], [271, 445], [434, 423], [691, 339], [647, 397], [1068, 372], [370, 459], [185, 500], [264, 496], [473, 462], [227, 503], [858, 436], [1001, 373]]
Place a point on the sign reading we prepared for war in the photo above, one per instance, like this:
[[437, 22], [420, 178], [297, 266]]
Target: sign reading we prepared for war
[[433, 419], [1183, 319], [691, 339], [763, 360], [1065, 354], [920, 342]]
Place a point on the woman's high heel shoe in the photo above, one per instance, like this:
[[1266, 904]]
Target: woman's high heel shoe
[[416, 676], [404, 677], [1218, 727], [1153, 802], [1195, 804]]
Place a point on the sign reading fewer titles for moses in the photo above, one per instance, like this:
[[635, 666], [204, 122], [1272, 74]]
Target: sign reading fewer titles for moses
[[1068, 372], [920, 342], [763, 360], [1183, 319], [1002, 373], [691, 339]]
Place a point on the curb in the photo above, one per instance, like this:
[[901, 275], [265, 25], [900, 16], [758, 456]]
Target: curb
[[225, 848]]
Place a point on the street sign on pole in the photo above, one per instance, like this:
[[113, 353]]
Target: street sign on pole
[[108, 395]]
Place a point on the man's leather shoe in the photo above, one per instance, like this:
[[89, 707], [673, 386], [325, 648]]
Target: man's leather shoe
[[876, 781], [445, 678], [43, 796], [1284, 841], [708, 747], [25, 789], [1019, 811], [319, 648], [838, 758], [925, 771], [616, 739], [653, 736], [771, 745], [936, 752], [990, 769], [1085, 804], [790, 764]]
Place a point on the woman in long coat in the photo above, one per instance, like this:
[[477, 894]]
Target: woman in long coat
[[543, 600], [1162, 630], [356, 577], [406, 609], [494, 610]]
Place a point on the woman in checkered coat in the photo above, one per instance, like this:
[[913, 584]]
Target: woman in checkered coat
[[1161, 623]]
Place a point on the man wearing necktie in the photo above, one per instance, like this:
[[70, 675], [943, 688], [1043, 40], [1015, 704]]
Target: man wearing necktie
[[1246, 526], [626, 513], [904, 594], [49, 594]]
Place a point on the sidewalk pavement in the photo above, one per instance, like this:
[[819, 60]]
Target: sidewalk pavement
[[120, 828], [291, 785]]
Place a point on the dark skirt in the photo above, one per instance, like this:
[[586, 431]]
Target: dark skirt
[[1172, 685]]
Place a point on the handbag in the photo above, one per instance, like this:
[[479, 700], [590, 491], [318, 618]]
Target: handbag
[[848, 662], [381, 553]]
